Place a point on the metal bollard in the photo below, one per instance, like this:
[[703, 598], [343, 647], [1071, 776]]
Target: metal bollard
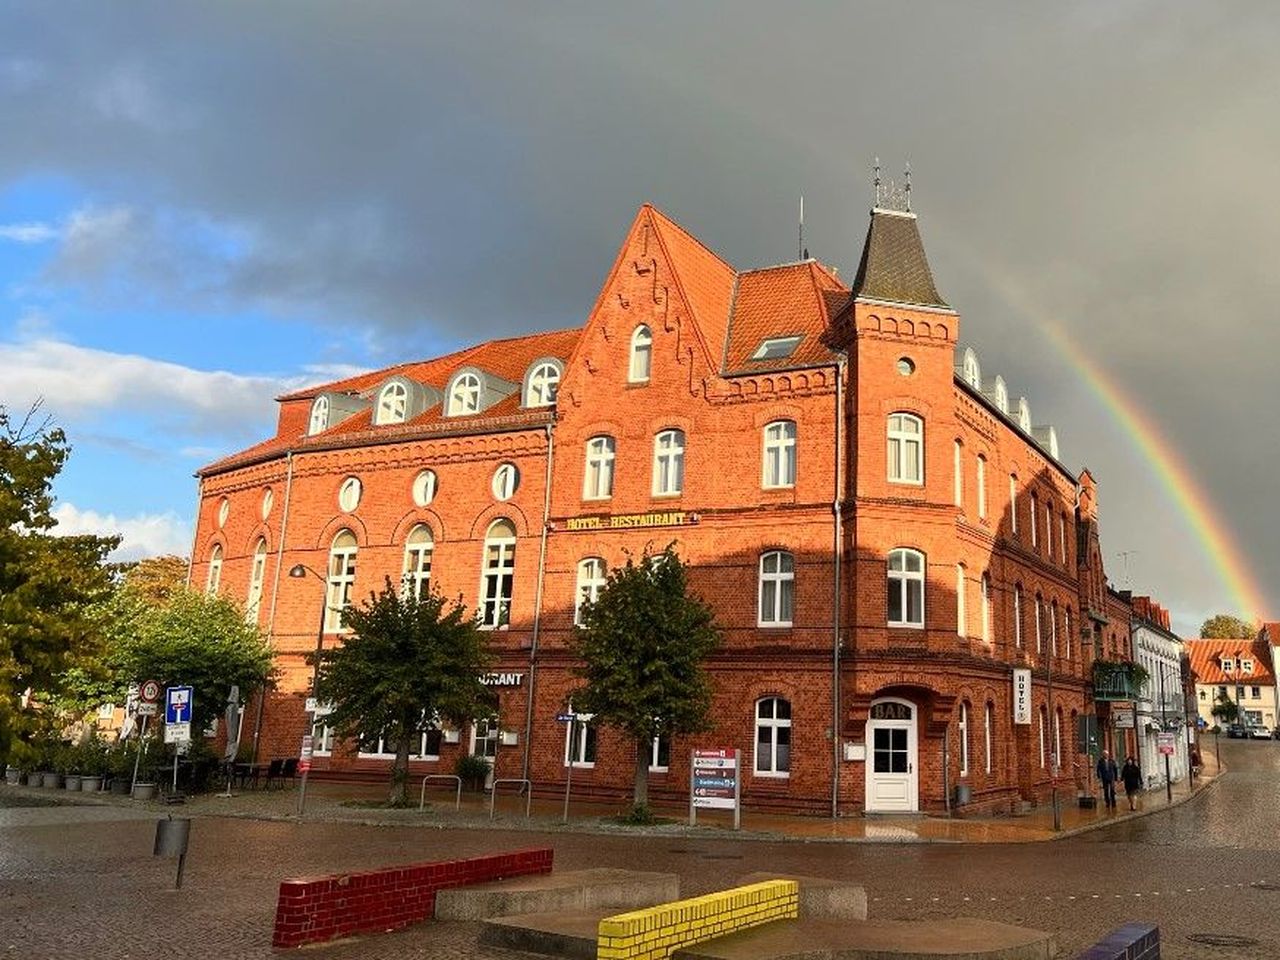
[[171, 841]]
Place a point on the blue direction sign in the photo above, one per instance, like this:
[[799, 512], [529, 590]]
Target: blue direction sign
[[177, 705], [565, 717]]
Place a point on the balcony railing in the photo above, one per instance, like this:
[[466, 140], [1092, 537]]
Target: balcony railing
[[1117, 680]]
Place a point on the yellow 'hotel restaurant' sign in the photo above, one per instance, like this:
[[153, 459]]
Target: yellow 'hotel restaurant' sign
[[674, 518]]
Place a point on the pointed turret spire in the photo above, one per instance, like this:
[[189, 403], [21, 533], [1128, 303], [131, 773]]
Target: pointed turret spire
[[894, 267]]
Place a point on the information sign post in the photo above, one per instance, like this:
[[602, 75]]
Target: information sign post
[[715, 783]]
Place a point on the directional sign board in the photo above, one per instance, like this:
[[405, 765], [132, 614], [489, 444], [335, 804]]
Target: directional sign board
[[714, 782], [177, 705], [149, 692], [565, 717], [1164, 743]]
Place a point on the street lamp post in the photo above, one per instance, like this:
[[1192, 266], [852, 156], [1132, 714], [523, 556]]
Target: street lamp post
[[1164, 727], [299, 571]]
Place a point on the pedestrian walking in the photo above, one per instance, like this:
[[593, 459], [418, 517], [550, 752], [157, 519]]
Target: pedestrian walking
[[1131, 776], [1107, 775]]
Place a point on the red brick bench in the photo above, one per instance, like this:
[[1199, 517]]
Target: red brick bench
[[315, 909]]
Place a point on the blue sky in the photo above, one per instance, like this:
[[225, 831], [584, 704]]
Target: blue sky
[[202, 205]]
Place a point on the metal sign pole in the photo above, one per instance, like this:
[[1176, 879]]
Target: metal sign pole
[[568, 779], [137, 760], [693, 811], [175, 781], [737, 789]]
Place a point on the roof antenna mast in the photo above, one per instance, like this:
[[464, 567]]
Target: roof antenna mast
[[907, 177], [877, 182], [800, 244]]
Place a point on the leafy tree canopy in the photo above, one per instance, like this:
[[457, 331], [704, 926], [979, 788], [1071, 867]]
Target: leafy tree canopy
[[1224, 626], [409, 663], [156, 579], [1225, 709]]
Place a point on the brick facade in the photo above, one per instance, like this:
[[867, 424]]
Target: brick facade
[[860, 359]]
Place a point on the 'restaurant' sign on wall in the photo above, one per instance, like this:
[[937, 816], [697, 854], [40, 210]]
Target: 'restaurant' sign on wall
[[670, 518]]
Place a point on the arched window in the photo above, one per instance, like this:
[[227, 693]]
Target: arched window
[[1062, 536], [906, 588], [342, 579], [1039, 631], [464, 395], [1040, 717], [957, 469], [393, 404], [986, 736], [986, 607], [1013, 503], [1002, 395], [591, 580], [499, 575], [962, 616], [777, 589], [418, 547], [982, 487], [424, 487], [964, 738], [906, 448], [773, 737], [214, 578], [257, 576], [319, 416], [1066, 632], [349, 494], [1024, 415], [971, 370], [1048, 530], [597, 478], [544, 383], [668, 463], [1053, 628], [506, 480], [1035, 505], [780, 454], [1017, 616], [641, 355], [1057, 740]]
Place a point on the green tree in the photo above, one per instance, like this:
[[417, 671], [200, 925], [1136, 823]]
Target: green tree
[[48, 584], [409, 663], [1225, 709], [190, 640], [156, 578], [642, 645], [1224, 626]]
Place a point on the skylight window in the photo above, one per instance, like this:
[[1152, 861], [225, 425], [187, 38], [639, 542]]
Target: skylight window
[[776, 348]]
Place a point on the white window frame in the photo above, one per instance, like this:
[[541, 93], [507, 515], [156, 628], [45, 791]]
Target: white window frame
[[640, 363], [1017, 616], [341, 580], [772, 724], [382, 753], [349, 493], [1066, 631], [655, 754], [1013, 503], [779, 460], [597, 474], [986, 734], [962, 615], [982, 487], [393, 404], [1057, 741], [1246, 666], [1040, 718], [783, 583], [544, 385], [491, 740], [1048, 530], [423, 490], [268, 500], [1039, 628], [668, 463], [257, 579], [1053, 628], [1035, 505], [1062, 537], [213, 579], [319, 416], [776, 348], [506, 481], [957, 469], [593, 574], [964, 738], [986, 607], [497, 576], [322, 735], [415, 580], [901, 440], [464, 395], [585, 742], [905, 578]]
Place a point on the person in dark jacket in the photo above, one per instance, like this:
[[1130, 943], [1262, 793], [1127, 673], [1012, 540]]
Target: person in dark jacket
[[1107, 775], [1131, 776]]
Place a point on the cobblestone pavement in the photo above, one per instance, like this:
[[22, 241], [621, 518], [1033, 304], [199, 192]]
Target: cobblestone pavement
[[74, 885]]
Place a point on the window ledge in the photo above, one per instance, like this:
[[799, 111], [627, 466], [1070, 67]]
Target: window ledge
[[776, 777], [775, 625]]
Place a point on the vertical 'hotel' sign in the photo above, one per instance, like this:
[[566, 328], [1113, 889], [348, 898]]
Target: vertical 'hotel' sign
[[1021, 696]]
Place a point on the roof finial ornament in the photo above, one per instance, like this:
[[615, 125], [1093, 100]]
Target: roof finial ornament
[[877, 181], [907, 177], [891, 196]]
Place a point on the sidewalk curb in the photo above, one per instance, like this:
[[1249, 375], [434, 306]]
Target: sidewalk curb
[[1138, 814]]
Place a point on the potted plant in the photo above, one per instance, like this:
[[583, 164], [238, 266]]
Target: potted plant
[[72, 755], [12, 775], [473, 771], [94, 765], [50, 777], [119, 763], [144, 788]]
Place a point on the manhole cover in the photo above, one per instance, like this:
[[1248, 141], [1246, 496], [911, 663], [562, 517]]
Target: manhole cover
[[1222, 940], [722, 856], [1265, 885]]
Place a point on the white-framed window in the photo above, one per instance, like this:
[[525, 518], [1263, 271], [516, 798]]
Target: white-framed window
[[1057, 741], [597, 477], [1246, 666], [906, 588], [268, 500], [1039, 630], [485, 734], [224, 511], [982, 487], [257, 577], [464, 395], [1035, 505], [544, 384], [971, 370], [1053, 628], [668, 463], [1227, 663], [322, 735], [580, 741], [780, 454], [214, 578], [342, 579], [418, 547], [1048, 530], [776, 348], [1017, 616], [506, 480], [349, 494], [1068, 639], [986, 607], [641, 355], [1040, 718], [498, 579], [319, 416], [660, 754], [393, 404], [957, 469], [962, 615], [424, 487], [592, 576], [964, 738], [1062, 536], [906, 448], [1013, 503], [986, 737], [773, 737], [379, 746], [777, 589]]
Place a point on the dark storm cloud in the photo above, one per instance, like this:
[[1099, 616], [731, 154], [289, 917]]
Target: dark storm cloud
[[468, 168]]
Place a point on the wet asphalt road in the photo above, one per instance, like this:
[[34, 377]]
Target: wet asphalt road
[[80, 882]]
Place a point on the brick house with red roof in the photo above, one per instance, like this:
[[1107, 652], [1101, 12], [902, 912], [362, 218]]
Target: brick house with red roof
[[882, 533]]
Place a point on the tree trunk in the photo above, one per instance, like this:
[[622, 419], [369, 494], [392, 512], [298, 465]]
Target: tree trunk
[[400, 769], [640, 797]]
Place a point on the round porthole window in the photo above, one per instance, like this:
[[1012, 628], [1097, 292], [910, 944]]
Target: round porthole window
[[424, 487], [349, 494], [906, 366], [268, 498], [506, 480], [224, 511]]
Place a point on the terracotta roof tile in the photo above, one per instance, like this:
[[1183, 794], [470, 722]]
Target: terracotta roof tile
[[704, 279], [1206, 660], [795, 299]]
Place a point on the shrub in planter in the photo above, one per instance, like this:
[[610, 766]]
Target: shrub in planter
[[71, 782], [12, 776], [473, 771]]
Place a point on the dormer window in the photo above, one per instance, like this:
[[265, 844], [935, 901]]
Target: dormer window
[[1002, 395], [641, 355], [393, 402], [542, 384], [464, 395], [1246, 666], [319, 416], [776, 348], [1227, 664], [1024, 415], [970, 369]]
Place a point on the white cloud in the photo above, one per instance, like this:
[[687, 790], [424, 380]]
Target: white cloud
[[28, 233], [145, 534]]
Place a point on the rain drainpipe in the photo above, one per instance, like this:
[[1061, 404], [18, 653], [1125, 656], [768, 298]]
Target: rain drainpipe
[[838, 549], [275, 595], [537, 603]]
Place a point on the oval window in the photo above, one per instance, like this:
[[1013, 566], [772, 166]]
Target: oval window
[[268, 498], [349, 494], [224, 511], [506, 479], [424, 487], [906, 366]]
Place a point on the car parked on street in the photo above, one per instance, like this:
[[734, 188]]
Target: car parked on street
[[1259, 732], [1236, 731]]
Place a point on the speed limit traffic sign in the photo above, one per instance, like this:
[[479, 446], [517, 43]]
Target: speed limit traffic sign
[[150, 692]]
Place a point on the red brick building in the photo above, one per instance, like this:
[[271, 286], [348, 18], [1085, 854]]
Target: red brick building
[[883, 534]]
